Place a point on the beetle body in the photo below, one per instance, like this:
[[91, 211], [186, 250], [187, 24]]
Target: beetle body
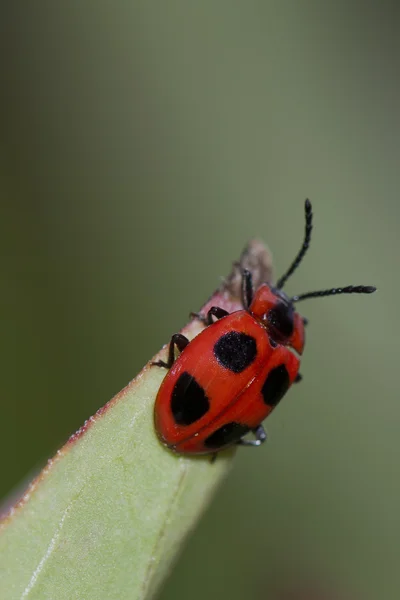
[[230, 377]]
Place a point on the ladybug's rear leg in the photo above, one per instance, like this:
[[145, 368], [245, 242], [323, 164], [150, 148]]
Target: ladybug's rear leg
[[215, 311], [178, 340], [298, 378], [261, 436]]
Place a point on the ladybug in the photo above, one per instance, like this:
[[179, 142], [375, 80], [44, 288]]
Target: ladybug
[[231, 376]]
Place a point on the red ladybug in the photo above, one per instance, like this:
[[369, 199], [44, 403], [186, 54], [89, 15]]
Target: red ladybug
[[229, 378]]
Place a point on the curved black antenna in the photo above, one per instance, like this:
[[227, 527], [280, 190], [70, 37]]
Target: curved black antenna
[[350, 289], [303, 249]]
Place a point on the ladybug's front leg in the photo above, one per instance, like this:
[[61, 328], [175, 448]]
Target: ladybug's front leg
[[178, 340], [215, 311], [261, 436], [247, 289]]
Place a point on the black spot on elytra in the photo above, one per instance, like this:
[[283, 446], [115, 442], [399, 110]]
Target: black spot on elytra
[[275, 386], [235, 351], [189, 401], [227, 434]]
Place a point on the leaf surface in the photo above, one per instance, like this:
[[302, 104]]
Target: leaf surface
[[108, 514]]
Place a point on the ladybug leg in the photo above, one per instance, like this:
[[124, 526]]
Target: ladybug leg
[[178, 340], [213, 458], [261, 436], [215, 311], [305, 321], [298, 378], [247, 289]]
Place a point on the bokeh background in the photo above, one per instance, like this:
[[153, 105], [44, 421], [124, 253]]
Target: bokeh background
[[142, 144]]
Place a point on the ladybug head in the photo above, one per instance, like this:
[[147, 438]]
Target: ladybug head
[[277, 313], [276, 309]]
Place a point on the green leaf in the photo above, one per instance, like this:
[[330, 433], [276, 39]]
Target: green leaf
[[108, 514]]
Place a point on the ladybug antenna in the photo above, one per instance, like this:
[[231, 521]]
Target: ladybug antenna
[[303, 249], [350, 289]]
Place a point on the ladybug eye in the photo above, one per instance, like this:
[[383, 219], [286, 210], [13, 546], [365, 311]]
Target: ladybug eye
[[280, 319]]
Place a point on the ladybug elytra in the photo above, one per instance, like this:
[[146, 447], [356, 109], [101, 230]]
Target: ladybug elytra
[[230, 377]]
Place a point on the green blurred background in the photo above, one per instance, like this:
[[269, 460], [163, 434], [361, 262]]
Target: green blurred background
[[142, 144]]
